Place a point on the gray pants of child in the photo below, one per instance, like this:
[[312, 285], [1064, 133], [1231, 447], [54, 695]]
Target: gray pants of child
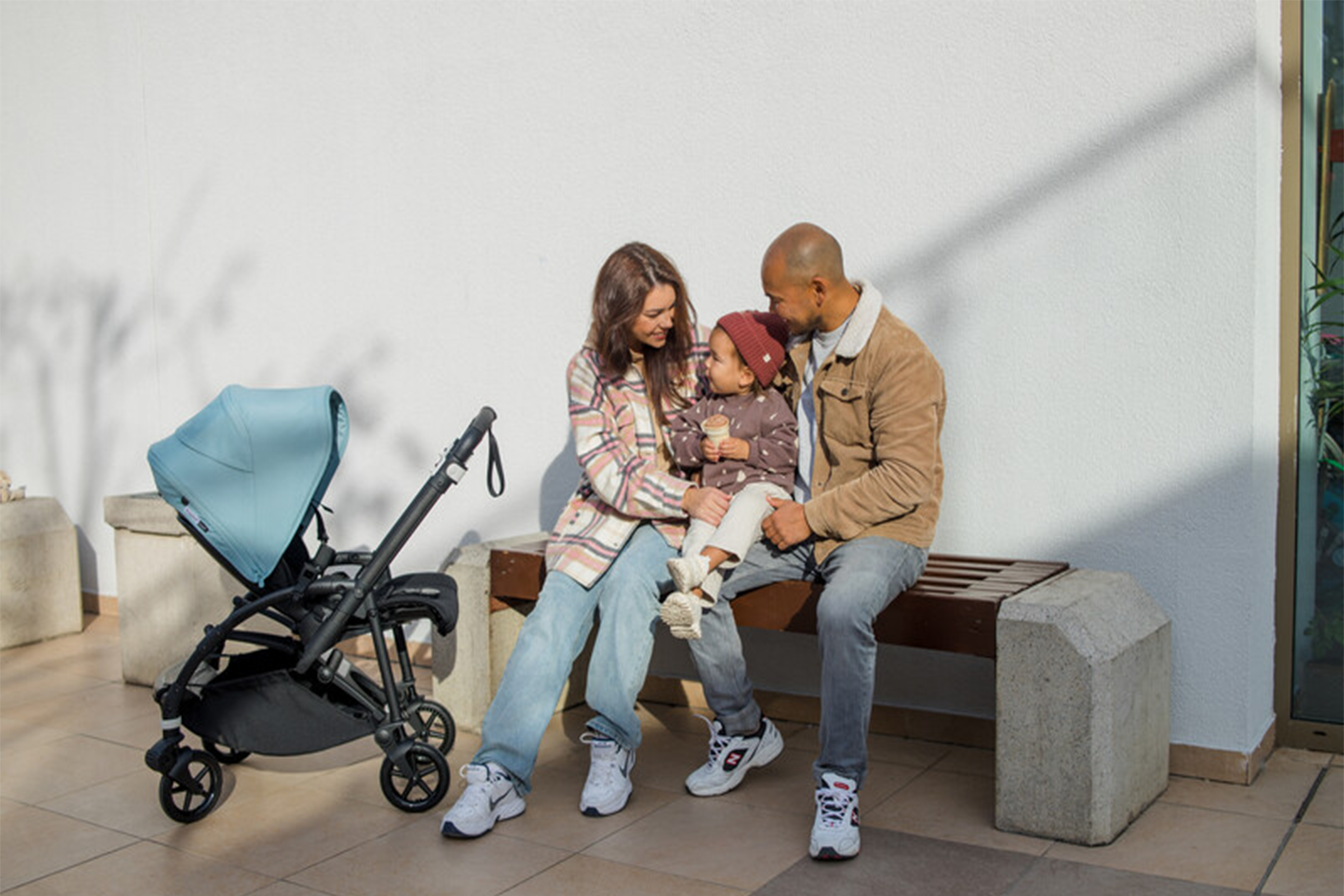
[[739, 529]]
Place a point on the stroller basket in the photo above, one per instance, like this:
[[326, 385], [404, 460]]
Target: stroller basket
[[247, 690], [241, 704]]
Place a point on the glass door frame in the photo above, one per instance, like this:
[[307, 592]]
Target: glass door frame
[[1289, 731]]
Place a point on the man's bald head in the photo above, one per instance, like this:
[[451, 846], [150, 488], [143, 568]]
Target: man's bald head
[[807, 251], [803, 275]]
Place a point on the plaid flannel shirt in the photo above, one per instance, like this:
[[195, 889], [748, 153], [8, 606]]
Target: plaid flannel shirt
[[621, 485]]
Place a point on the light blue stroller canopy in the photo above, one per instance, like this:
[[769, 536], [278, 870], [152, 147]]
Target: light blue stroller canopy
[[248, 471]]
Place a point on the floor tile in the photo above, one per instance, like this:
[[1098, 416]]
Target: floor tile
[[44, 772], [129, 804], [587, 876], [481, 867], [285, 888], [1226, 849], [33, 683], [38, 843], [1050, 877], [905, 751], [149, 869], [553, 818], [17, 734], [895, 864], [284, 829], [949, 806], [711, 840], [1312, 864], [1278, 791], [967, 761], [1327, 805], [89, 711]]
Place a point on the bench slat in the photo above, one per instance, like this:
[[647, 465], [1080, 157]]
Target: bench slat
[[952, 607]]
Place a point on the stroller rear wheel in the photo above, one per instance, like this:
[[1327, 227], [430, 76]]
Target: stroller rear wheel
[[426, 784], [225, 754], [192, 789], [433, 725]]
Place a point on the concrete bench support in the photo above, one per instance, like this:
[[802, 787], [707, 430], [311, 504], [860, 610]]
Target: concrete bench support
[[469, 663], [1083, 707], [168, 588], [39, 572]]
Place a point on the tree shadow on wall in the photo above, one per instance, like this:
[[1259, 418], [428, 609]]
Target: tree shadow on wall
[[76, 346]]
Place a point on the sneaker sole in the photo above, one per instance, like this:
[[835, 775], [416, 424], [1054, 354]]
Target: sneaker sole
[[603, 811], [447, 828], [828, 854], [764, 756]]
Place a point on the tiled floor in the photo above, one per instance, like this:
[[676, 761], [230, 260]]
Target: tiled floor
[[79, 814]]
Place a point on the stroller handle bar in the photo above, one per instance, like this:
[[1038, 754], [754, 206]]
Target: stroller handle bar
[[450, 471]]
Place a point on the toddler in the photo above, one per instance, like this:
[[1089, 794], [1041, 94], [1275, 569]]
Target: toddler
[[746, 440]]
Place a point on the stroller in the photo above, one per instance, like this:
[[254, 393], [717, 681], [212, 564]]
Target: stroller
[[246, 476]]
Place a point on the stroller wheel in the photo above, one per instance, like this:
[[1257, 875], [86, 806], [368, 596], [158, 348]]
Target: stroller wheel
[[225, 754], [434, 725], [424, 787], [195, 791]]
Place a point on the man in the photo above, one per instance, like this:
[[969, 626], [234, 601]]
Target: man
[[870, 402]]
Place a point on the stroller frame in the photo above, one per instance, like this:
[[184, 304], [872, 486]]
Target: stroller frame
[[316, 600]]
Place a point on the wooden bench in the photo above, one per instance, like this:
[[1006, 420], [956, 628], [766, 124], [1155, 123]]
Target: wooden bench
[[952, 607]]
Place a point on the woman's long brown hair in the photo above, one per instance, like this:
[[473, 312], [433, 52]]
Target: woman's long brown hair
[[624, 282]]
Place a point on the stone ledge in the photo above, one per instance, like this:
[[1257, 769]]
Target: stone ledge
[[39, 572]]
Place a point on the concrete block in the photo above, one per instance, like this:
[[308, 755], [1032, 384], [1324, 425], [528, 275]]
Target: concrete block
[[39, 572], [168, 587], [469, 663], [1083, 707]]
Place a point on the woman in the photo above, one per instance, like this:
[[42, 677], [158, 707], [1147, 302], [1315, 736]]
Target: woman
[[609, 549]]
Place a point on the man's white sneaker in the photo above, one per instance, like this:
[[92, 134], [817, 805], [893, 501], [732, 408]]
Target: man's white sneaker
[[688, 572], [835, 831], [608, 787], [731, 755], [681, 612], [490, 796]]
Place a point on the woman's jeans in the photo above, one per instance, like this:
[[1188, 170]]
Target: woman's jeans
[[626, 598], [861, 577]]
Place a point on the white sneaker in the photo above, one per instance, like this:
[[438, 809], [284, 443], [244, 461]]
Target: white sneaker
[[688, 572], [835, 831], [490, 796], [731, 755], [681, 612], [608, 787]]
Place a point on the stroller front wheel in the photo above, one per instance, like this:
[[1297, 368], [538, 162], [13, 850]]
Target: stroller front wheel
[[423, 787], [191, 790]]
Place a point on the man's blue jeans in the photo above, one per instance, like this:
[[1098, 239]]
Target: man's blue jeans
[[626, 597], [861, 577]]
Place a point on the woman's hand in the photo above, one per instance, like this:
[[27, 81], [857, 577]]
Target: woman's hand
[[708, 504]]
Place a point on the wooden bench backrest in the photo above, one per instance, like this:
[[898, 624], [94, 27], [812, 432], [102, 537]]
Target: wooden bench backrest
[[951, 607]]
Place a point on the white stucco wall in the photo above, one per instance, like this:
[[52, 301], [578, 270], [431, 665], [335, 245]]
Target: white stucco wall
[[1075, 204]]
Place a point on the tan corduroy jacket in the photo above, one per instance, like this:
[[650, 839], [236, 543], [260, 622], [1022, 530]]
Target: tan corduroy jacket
[[880, 401]]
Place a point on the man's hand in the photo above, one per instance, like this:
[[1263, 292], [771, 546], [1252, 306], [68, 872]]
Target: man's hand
[[787, 526]]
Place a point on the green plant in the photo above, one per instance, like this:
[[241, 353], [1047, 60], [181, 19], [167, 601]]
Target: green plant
[[1322, 348], [1326, 630]]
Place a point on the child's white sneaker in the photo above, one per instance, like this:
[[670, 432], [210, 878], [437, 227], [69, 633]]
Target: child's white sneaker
[[688, 572], [681, 612]]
